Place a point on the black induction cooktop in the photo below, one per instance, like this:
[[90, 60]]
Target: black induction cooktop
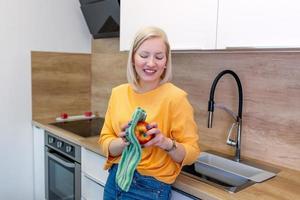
[[83, 127]]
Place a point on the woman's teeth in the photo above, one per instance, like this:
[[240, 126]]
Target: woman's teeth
[[149, 71]]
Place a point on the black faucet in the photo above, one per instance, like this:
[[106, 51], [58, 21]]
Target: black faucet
[[238, 118]]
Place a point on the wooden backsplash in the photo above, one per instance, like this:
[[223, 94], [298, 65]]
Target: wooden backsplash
[[271, 86], [60, 83]]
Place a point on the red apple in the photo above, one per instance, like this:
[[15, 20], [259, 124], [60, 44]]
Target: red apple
[[64, 115], [88, 114], [140, 132]]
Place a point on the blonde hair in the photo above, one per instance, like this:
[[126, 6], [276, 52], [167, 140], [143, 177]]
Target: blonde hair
[[140, 37]]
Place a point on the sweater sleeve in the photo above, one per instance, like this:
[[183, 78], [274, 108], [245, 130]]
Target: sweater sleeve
[[184, 129]]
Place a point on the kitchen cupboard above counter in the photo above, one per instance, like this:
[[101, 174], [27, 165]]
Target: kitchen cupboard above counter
[[258, 24], [215, 24], [284, 186], [188, 24]]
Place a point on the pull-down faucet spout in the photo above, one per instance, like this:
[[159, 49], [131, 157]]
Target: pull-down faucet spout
[[211, 105]]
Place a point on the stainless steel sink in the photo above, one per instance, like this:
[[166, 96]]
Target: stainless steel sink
[[227, 174]]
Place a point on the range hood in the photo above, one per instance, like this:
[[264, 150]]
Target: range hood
[[102, 17]]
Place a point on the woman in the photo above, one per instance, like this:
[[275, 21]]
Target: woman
[[168, 111]]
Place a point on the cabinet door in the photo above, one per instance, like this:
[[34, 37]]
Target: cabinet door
[[189, 24], [39, 162], [92, 165], [90, 189], [257, 23]]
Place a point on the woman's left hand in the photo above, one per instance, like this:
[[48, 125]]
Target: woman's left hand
[[159, 140]]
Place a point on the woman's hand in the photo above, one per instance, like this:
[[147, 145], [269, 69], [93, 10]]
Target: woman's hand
[[122, 134], [159, 140], [117, 145], [165, 143]]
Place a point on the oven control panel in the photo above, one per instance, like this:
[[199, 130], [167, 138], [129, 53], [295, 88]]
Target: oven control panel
[[63, 146]]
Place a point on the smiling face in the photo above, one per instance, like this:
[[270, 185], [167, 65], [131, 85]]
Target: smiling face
[[150, 61]]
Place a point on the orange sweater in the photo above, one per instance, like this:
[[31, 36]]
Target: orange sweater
[[166, 105]]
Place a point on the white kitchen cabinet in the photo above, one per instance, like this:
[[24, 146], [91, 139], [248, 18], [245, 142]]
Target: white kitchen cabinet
[[39, 162], [189, 24], [93, 176], [257, 23], [90, 188]]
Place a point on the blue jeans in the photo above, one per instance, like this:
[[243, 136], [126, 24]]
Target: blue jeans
[[142, 187]]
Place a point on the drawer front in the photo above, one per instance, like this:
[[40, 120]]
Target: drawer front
[[92, 164], [90, 190]]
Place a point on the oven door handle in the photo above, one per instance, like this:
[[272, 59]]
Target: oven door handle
[[61, 160]]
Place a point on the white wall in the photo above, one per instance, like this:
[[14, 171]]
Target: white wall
[[46, 25]]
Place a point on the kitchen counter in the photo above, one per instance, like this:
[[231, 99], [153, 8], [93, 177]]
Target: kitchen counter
[[284, 186]]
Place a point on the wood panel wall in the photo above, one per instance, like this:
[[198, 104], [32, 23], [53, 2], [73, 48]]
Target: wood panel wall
[[271, 112], [271, 86], [60, 83], [108, 71]]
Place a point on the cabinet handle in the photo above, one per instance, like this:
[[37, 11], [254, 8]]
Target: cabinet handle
[[241, 48], [60, 160]]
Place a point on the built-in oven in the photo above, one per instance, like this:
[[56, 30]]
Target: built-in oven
[[63, 158], [62, 169]]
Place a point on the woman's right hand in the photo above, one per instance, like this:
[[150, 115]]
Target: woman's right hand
[[122, 134], [117, 145]]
